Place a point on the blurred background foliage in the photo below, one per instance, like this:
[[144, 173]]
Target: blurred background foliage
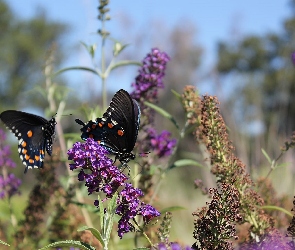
[[253, 77]]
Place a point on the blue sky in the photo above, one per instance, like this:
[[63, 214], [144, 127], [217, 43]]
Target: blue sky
[[215, 20]]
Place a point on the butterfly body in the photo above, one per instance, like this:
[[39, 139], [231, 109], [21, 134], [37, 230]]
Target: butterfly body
[[35, 134], [117, 129]]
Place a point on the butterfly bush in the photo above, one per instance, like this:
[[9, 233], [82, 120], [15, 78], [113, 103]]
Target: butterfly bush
[[9, 183], [150, 76], [100, 175], [172, 246], [161, 144], [147, 82]]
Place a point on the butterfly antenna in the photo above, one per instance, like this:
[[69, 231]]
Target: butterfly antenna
[[80, 122]]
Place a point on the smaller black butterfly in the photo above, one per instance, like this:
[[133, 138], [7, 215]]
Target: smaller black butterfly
[[117, 130], [34, 134]]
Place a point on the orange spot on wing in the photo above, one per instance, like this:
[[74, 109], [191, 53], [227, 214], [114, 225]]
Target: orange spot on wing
[[24, 151], [41, 152], [120, 132], [31, 161], [24, 144], [30, 133], [110, 125], [37, 157], [100, 124], [27, 157]]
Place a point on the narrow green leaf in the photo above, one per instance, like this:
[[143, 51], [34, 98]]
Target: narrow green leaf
[[94, 231], [113, 204], [185, 162], [285, 164], [279, 209], [123, 63], [101, 212], [177, 95], [4, 243], [77, 68], [111, 212], [171, 209], [266, 155], [162, 112], [69, 243]]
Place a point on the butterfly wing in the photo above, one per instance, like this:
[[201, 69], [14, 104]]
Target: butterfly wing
[[118, 128], [120, 123], [34, 133]]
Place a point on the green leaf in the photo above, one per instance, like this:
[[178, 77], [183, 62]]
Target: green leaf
[[69, 243], [266, 156], [89, 207], [123, 63], [279, 209], [185, 162], [90, 48], [285, 164], [101, 212], [94, 231], [177, 95], [4, 243], [77, 68], [111, 212], [171, 209], [118, 48], [162, 112]]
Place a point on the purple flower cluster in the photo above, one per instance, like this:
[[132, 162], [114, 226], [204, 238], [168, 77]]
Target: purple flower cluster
[[173, 246], [150, 76], [161, 144], [293, 57], [96, 169], [9, 183], [129, 206], [5, 159], [9, 186], [100, 175]]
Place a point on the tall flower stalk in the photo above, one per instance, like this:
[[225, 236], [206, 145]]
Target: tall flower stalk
[[102, 177], [9, 183]]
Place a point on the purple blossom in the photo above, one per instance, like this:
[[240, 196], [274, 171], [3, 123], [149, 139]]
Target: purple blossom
[[5, 159], [96, 169], [150, 76], [161, 144], [99, 174], [9, 184], [129, 206], [293, 57], [172, 246]]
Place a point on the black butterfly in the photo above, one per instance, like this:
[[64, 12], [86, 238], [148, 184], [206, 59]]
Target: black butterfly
[[34, 134], [118, 128]]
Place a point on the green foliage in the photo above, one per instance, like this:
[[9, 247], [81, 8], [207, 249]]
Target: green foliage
[[26, 43], [68, 243]]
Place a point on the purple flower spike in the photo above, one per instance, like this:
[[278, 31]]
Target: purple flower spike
[[293, 57], [130, 206], [5, 159], [172, 246], [150, 76], [9, 184], [161, 144], [100, 175]]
